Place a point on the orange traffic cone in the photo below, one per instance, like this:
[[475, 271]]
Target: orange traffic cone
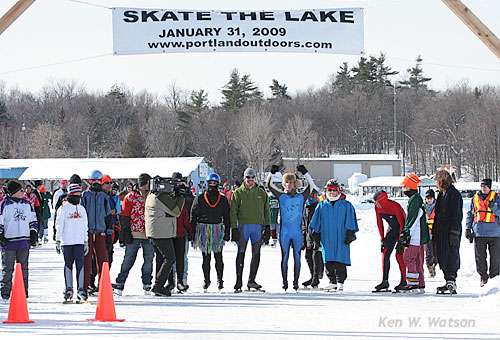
[[18, 309], [105, 310]]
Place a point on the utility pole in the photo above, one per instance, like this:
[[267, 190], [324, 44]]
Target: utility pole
[[475, 25], [14, 13]]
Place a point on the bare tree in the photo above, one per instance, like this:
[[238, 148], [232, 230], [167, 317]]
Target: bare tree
[[297, 138]]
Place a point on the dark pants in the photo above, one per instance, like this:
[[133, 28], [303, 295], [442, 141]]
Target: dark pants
[[9, 258], [390, 241], [179, 250], [73, 254], [314, 261], [336, 271], [165, 258], [492, 244], [430, 251], [97, 247], [254, 233], [219, 266]]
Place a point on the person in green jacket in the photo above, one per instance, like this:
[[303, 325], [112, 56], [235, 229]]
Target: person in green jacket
[[414, 235], [249, 212], [44, 225]]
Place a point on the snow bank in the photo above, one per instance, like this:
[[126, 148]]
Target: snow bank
[[355, 180]]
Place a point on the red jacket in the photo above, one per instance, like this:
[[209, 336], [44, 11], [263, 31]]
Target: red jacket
[[384, 205], [183, 223]]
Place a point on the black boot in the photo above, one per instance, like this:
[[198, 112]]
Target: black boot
[[158, 290], [220, 284], [315, 282], [253, 285], [384, 285], [206, 284], [285, 285], [295, 285], [308, 282]]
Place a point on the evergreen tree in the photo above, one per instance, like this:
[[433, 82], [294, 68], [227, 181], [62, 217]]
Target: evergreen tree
[[417, 80], [238, 91], [279, 91], [198, 101], [135, 146]]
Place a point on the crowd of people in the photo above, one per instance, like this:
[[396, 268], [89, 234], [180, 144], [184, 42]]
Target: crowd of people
[[163, 218]]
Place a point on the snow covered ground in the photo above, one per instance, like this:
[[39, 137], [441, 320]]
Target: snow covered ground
[[356, 312]]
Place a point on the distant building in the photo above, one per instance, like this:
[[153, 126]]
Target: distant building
[[342, 167]]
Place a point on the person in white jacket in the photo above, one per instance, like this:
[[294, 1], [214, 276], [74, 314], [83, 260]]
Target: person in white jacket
[[72, 237]]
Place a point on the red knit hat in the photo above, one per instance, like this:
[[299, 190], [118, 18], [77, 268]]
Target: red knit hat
[[411, 181]]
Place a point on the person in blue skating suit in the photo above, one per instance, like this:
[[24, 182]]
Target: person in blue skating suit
[[291, 209], [334, 224]]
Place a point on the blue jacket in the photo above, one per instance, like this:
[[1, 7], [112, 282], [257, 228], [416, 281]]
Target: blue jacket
[[332, 222], [98, 211], [481, 228]]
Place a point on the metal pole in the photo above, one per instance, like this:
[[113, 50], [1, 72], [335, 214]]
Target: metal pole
[[88, 146], [394, 112]]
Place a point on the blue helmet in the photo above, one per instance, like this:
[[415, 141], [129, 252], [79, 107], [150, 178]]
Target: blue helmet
[[213, 177], [95, 174]]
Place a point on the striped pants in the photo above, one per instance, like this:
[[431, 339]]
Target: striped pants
[[414, 260]]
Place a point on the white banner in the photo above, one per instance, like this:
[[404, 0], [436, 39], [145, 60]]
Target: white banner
[[145, 31]]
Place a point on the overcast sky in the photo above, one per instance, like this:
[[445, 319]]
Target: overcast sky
[[60, 31]]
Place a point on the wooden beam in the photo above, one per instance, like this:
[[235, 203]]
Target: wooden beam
[[475, 25], [14, 13]]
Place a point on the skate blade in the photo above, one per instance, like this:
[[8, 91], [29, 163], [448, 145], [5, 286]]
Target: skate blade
[[82, 302], [381, 291], [67, 302], [253, 290]]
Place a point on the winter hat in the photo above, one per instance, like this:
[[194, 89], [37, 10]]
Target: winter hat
[[411, 181], [177, 175], [42, 189], [37, 183], [75, 179], [143, 179], [289, 177], [226, 183], [63, 181], [249, 172], [106, 178], [377, 194], [487, 182], [430, 193], [74, 189], [13, 187], [115, 187]]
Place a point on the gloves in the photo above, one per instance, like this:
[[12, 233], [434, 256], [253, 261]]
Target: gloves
[[400, 249], [469, 235], [349, 236], [454, 238], [235, 234], [126, 232], [116, 236], [302, 169], [3, 240], [58, 247], [382, 245], [33, 237], [404, 238], [316, 240], [109, 241], [274, 169], [266, 233], [227, 234], [190, 235], [85, 248], [491, 204]]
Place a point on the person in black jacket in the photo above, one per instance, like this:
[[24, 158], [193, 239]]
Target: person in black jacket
[[447, 230], [313, 255], [210, 218]]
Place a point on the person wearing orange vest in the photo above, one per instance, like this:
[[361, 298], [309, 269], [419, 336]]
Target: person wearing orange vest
[[483, 228], [430, 211]]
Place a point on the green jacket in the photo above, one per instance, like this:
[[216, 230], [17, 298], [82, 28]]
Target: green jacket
[[250, 206], [46, 197], [417, 229]]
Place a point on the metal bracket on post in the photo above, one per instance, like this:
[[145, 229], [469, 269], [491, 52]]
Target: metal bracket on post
[[14, 13]]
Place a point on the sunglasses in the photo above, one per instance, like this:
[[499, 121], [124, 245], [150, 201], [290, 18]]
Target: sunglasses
[[108, 182], [250, 177], [212, 182], [332, 190]]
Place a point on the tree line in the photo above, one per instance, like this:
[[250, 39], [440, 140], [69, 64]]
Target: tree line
[[360, 109]]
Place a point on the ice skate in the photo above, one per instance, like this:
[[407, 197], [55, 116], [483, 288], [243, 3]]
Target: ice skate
[[82, 296], [160, 291], [117, 288], [331, 287], [295, 286], [181, 287], [382, 287], [315, 282], [206, 284], [400, 286], [220, 284], [68, 295], [285, 286], [307, 283], [254, 286], [147, 289]]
